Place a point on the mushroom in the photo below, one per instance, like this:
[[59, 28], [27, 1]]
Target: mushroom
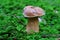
[[32, 13]]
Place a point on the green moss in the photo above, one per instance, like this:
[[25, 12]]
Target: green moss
[[13, 23]]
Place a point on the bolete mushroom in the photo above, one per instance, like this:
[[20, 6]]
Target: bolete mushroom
[[32, 13]]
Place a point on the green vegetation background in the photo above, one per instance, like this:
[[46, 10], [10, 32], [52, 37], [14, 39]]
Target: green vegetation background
[[12, 22]]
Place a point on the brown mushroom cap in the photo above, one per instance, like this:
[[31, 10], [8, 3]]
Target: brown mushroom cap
[[30, 11]]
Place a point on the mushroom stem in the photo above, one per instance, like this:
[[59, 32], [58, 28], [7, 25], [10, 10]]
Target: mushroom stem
[[32, 25]]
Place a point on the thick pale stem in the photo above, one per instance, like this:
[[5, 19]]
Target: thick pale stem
[[32, 25]]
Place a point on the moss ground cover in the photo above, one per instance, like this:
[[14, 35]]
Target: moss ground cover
[[13, 24]]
